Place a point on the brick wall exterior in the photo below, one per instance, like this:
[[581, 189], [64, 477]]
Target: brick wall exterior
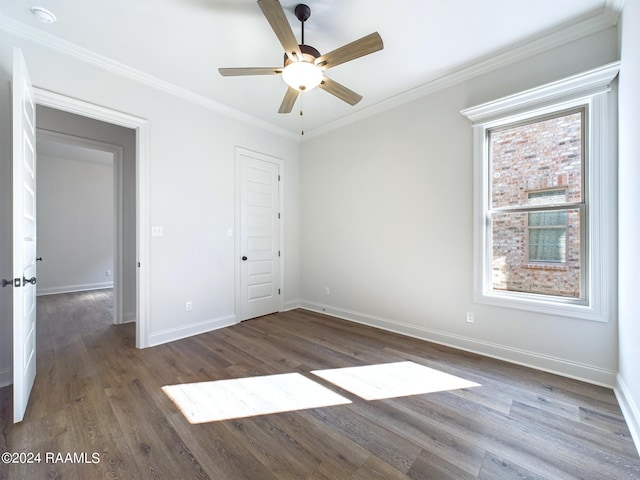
[[545, 155]]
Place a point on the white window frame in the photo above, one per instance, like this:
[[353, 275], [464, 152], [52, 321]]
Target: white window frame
[[592, 89]]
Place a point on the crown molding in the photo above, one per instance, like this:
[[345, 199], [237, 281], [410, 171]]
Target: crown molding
[[614, 5], [584, 84], [85, 55], [556, 37]]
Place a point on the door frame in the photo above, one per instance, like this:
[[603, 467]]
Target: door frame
[[118, 206], [141, 126], [238, 153]]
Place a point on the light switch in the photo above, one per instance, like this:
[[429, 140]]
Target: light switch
[[157, 231], [229, 233]]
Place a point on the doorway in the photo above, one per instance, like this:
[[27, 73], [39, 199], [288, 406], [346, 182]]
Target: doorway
[[259, 223], [79, 217], [57, 112]]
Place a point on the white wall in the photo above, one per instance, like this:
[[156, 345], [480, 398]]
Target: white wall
[[75, 207], [386, 224], [191, 187], [628, 388]]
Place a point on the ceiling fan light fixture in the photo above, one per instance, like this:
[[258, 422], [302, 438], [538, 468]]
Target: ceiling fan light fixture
[[302, 76]]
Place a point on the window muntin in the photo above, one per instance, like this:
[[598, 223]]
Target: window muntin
[[537, 203]]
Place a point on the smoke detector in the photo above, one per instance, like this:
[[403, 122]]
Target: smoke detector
[[44, 15]]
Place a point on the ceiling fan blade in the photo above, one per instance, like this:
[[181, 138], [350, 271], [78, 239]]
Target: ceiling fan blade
[[364, 46], [235, 72], [280, 25], [288, 101], [340, 91]]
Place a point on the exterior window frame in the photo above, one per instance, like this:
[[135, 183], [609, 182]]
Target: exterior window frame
[[592, 91]]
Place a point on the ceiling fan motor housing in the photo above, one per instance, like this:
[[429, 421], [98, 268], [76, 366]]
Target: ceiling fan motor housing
[[309, 54]]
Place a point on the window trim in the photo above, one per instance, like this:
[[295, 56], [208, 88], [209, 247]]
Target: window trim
[[591, 89]]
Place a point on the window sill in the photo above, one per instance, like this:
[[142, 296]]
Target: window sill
[[547, 266], [541, 304]]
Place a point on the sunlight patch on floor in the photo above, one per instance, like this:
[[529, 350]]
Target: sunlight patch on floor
[[245, 397], [390, 380]]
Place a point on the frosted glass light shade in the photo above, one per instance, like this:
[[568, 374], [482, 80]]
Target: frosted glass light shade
[[302, 75]]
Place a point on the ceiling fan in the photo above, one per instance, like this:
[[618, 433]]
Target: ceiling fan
[[303, 65]]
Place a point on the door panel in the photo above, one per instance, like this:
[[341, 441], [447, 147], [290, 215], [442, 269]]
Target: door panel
[[24, 237], [259, 236]]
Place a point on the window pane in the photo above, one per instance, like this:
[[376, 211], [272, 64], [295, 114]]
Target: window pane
[[547, 197], [547, 245], [541, 260], [541, 155], [545, 219]]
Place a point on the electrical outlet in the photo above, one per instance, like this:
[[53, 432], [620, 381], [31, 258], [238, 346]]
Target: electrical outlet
[[470, 317], [107, 273], [327, 291], [188, 306]]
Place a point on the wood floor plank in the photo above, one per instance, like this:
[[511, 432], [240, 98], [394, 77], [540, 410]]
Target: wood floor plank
[[430, 465], [391, 448], [6, 414], [597, 438], [495, 467], [95, 392], [160, 451], [222, 454], [450, 448]]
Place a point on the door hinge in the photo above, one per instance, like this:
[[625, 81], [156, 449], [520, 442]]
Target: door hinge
[[278, 252], [278, 291], [278, 214], [138, 264], [278, 177]]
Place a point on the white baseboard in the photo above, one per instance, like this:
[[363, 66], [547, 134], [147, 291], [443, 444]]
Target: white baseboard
[[558, 366], [291, 305], [172, 334], [129, 317], [630, 410], [73, 288], [5, 377]]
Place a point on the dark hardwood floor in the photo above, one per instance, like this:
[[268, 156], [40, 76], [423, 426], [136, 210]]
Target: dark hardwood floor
[[96, 393]]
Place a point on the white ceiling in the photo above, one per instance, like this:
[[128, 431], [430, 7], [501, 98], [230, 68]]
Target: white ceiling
[[183, 42]]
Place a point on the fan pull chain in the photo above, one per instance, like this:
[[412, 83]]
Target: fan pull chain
[[301, 114]]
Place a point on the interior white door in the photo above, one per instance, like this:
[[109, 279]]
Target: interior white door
[[24, 236], [259, 203]]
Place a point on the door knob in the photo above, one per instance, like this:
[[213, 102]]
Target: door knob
[[38, 259], [244, 259], [26, 280], [6, 283]]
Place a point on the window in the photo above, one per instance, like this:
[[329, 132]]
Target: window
[[545, 197], [536, 171]]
